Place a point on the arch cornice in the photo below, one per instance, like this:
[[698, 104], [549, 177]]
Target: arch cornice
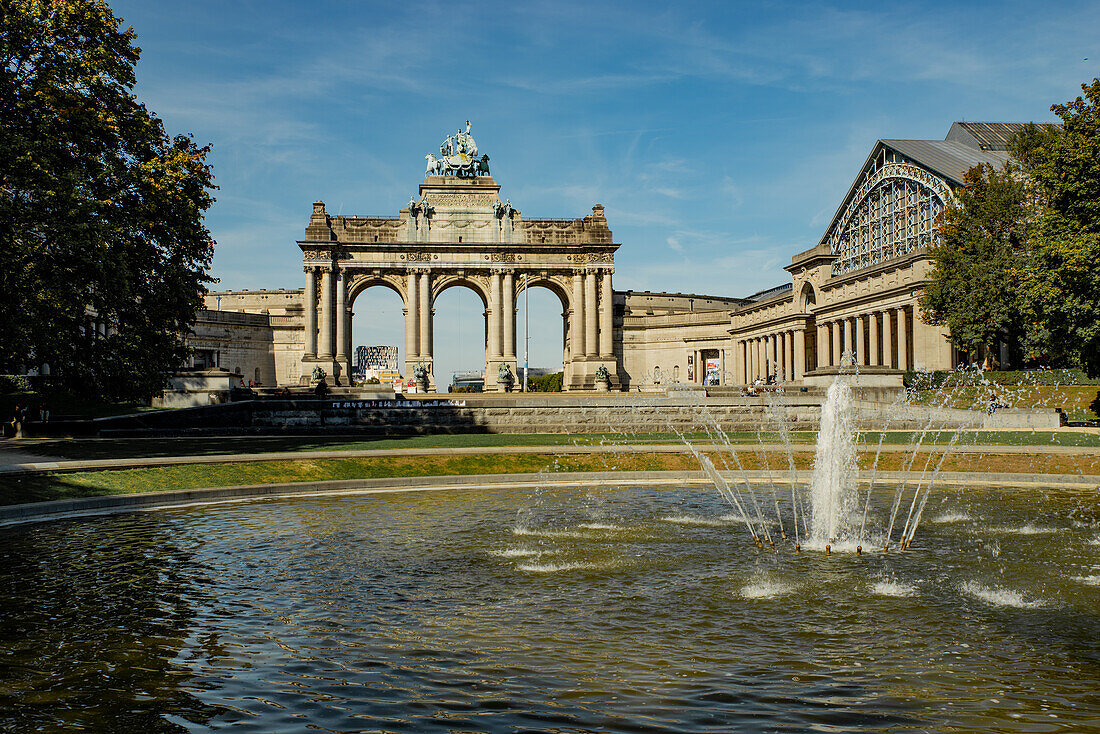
[[560, 285], [359, 282], [479, 284]]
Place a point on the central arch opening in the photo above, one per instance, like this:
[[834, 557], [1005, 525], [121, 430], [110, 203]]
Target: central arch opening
[[459, 335], [540, 317], [377, 334]]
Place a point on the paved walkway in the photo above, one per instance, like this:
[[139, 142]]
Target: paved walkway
[[16, 461], [9, 456]]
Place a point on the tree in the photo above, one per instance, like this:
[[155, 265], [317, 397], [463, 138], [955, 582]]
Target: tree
[[101, 212], [971, 288], [1059, 280]]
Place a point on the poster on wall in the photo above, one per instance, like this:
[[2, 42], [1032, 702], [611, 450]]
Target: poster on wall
[[714, 371]]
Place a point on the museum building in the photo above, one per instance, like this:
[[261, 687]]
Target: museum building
[[854, 293]]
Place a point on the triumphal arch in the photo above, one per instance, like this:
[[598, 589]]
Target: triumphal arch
[[459, 233]]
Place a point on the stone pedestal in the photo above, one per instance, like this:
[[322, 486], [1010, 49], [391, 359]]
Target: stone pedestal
[[584, 374], [869, 383]]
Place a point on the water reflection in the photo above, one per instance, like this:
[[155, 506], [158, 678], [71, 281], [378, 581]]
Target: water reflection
[[620, 609]]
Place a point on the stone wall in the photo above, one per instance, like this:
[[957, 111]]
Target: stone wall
[[654, 349], [257, 332]]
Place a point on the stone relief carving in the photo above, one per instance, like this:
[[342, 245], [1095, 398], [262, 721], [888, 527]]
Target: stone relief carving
[[592, 257]]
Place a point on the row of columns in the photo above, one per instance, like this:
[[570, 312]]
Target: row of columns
[[418, 316], [328, 328], [782, 353], [331, 338], [590, 325], [877, 338]]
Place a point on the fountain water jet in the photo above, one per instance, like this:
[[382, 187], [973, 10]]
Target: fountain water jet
[[833, 492]]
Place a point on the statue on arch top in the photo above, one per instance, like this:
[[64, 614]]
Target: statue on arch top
[[458, 157]]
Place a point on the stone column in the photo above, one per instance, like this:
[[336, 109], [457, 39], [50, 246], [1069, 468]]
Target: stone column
[[761, 358], [590, 314], [576, 324], [777, 360], [861, 350], [424, 311], [607, 349], [834, 358], [326, 312], [412, 322], [873, 358], [508, 314], [349, 348], [722, 367], [788, 362], [310, 307], [822, 345], [887, 339], [341, 317], [799, 353], [494, 320], [903, 340]]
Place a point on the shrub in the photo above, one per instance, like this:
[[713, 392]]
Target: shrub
[[940, 378]]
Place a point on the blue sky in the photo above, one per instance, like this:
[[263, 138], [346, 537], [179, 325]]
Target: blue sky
[[719, 136]]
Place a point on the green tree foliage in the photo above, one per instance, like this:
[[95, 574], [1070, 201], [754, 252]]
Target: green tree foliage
[[101, 212], [1059, 281], [971, 288], [544, 383]]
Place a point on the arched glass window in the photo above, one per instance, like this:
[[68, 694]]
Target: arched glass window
[[892, 215]]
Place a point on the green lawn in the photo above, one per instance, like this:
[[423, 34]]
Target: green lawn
[[161, 447], [1080, 402], [19, 488]]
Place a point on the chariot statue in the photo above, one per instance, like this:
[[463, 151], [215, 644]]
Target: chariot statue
[[458, 157]]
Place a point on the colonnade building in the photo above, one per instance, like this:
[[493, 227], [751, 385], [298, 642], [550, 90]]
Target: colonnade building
[[856, 291]]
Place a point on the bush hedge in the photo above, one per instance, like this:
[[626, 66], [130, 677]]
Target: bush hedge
[[953, 378]]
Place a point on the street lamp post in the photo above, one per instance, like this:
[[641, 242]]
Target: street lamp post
[[526, 331]]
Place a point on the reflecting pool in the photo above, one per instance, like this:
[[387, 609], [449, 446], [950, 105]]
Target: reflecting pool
[[564, 609]]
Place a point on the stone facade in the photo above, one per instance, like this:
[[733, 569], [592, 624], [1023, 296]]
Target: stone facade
[[853, 297], [459, 233], [256, 334]]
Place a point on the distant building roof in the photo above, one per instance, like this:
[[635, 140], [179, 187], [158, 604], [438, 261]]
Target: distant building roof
[[948, 158], [966, 145], [769, 292], [989, 135]]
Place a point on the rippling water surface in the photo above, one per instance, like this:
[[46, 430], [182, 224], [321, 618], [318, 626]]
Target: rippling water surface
[[566, 610]]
